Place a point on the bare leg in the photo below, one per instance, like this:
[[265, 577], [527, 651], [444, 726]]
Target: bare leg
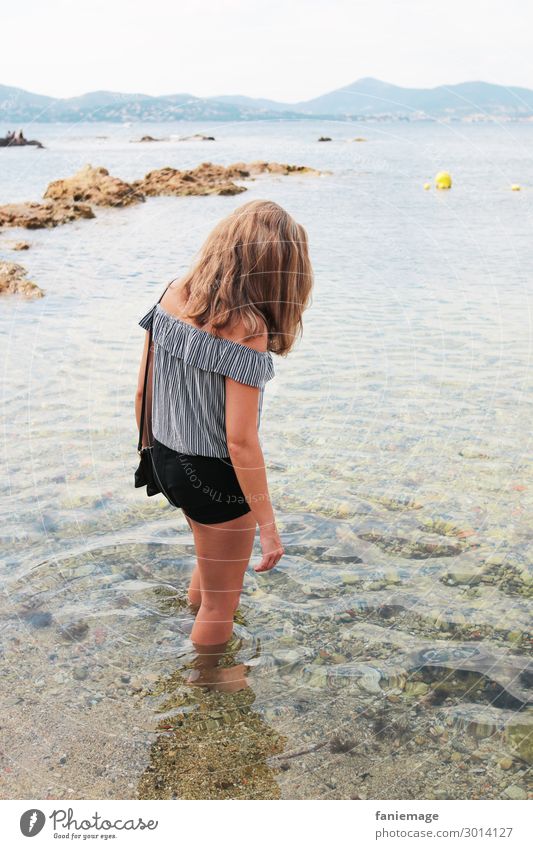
[[223, 551], [195, 593]]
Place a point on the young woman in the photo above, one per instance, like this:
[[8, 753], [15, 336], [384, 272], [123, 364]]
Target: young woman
[[214, 332]]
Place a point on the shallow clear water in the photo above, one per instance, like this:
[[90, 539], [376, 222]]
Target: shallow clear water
[[386, 656]]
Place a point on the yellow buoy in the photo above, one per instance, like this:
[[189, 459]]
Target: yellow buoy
[[515, 187], [427, 186], [443, 180]]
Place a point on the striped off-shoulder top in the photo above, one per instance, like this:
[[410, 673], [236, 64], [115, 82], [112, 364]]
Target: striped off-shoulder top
[[190, 366]]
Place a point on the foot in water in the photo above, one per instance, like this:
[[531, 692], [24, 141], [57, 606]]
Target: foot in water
[[227, 679]]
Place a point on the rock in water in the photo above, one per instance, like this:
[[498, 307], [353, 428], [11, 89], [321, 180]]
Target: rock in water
[[203, 180], [515, 791], [18, 140], [13, 281], [94, 185], [38, 618], [519, 736], [212, 179], [259, 167], [34, 215], [197, 136]]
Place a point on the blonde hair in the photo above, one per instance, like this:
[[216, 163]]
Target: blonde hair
[[254, 267]]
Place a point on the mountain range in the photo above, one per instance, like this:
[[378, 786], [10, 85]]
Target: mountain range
[[367, 98]]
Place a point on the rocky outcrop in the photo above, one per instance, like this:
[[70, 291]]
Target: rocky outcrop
[[35, 215], [13, 281], [244, 170], [206, 179], [94, 185], [197, 137], [211, 179], [17, 140], [70, 199]]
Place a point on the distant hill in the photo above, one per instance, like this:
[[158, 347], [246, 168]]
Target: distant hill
[[370, 97], [19, 106], [366, 98]]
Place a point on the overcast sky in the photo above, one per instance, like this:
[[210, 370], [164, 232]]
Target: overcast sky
[[282, 49]]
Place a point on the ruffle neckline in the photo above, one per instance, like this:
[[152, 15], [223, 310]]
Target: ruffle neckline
[[203, 350]]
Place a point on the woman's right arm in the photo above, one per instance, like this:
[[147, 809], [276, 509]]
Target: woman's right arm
[[247, 458], [140, 380]]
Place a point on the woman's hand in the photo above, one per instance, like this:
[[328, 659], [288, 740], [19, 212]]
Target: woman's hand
[[271, 546]]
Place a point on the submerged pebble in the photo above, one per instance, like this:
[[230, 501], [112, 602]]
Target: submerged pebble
[[40, 619], [515, 791]]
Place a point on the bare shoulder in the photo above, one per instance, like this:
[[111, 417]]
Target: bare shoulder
[[258, 340], [174, 299]]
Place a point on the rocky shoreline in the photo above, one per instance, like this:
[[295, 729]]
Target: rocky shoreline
[[73, 198]]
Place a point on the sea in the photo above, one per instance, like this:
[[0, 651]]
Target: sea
[[387, 656]]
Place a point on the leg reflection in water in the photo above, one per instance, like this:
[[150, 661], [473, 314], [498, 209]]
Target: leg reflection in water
[[213, 744]]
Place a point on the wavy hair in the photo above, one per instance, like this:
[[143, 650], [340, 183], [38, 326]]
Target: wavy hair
[[254, 266]]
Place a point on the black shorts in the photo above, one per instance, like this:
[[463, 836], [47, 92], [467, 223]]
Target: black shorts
[[206, 488]]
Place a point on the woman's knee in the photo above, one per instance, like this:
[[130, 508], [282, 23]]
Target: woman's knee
[[223, 601]]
